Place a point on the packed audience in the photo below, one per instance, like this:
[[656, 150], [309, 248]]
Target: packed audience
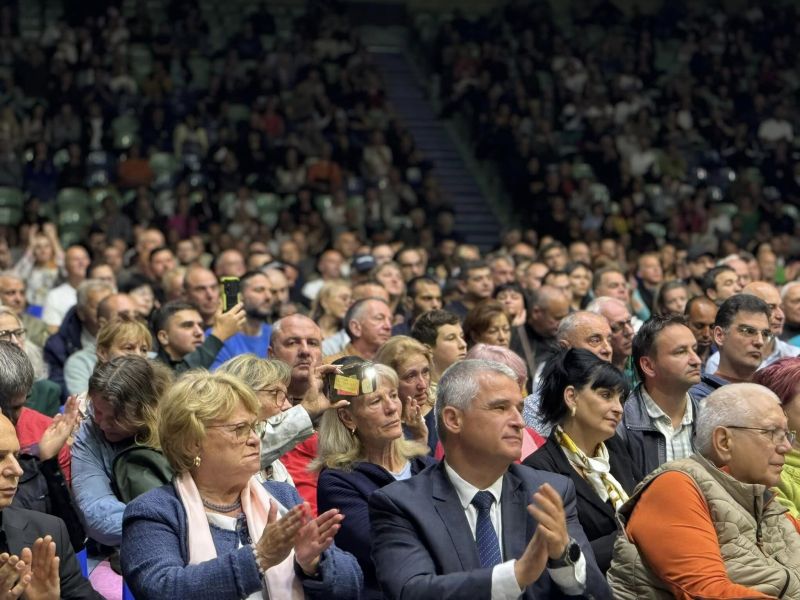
[[352, 409]]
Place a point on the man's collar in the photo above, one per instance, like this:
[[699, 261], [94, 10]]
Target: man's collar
[[466, 491]]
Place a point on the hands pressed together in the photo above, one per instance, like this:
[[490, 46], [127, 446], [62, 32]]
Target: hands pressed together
[[309, 537], [33, 575], [414, 421]]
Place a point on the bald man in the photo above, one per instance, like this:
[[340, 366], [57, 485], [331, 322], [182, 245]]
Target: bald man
[[775, 348], [536, 341], [790, 302]]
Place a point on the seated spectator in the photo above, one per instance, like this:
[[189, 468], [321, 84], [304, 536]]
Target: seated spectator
[[143, 292], [40, 264], [580, 284], [515, 302], [330, 306], [774, 348], [123, 396], [63, 297], [536, 340], [13, 294], [368, 322], [217, 527], [440, 330], [201, 288], [269, 380], [182, 344], [46, 563], [77, 331], [474, 284], [80, 365], [582, 399], [411, 361], [701, 312], [782, 377], [659, 422], [44, 396], [621, 323], [487, 323], [255, 332], [671, 299], [433, 535], [717, 531], [422, 294], [720, 283], [390, 277], [361, 449], [741, 331], [531, 440]]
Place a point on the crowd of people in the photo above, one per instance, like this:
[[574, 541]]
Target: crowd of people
[[342, 403], [602, 123]]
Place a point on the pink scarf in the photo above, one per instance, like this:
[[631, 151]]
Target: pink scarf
[[280, 580]]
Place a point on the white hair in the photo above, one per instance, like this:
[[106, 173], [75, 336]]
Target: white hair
[[598, 304], [727, 405], [460, 384], [787, 288]]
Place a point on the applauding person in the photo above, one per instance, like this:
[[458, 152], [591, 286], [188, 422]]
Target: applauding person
[[216, 532]]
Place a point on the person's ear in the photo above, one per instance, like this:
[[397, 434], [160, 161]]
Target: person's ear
[[452, 419], [712, 294], [163, 338], [647, 364], [102, 354], [722, 443], [570, 398], [346, 418], [355, 327], [719, 335], [564, 344]]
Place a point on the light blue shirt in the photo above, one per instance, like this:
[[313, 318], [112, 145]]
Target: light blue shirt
[[244, 344]]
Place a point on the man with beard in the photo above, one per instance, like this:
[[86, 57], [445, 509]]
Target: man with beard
[[256, 291], [700, 314]]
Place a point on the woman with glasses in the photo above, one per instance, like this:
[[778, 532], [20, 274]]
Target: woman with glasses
[[123, 397], [269, 380], [783, 378], [362, 449], [216, 531]]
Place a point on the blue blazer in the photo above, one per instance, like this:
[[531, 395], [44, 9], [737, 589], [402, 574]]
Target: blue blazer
[[154, 556], [349, 491], [422, 545]]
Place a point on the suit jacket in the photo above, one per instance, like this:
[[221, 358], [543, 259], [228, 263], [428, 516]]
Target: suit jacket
[[597, 518], [422, 545], [22, 527]]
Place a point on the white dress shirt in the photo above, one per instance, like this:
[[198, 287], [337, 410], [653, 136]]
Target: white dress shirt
[[571, 579]]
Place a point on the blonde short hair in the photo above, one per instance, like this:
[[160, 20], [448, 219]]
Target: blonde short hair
[[340, 449], [326, 292], [257, 372], [123, 328], [398, 349], [195, 400]]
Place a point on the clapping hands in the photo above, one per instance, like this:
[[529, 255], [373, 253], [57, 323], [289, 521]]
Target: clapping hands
[[34, 575]]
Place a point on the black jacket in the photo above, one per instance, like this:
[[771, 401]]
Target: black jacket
[[596, 517], [60, 345], [22, 527]]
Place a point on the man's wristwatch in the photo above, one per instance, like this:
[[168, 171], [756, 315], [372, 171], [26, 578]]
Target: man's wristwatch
[[570, 556]]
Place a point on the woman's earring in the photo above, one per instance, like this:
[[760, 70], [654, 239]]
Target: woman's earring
[[353, 432], [573, 409], [197, 461]]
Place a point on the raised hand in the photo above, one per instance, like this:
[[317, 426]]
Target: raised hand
[[315, 401], [279, 535], [314, 538], [15, 576], [227, 324], [58, 432], [550, 538], [415, 422], [45, 583]]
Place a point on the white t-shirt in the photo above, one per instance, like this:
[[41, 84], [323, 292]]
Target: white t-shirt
[[58, 302]]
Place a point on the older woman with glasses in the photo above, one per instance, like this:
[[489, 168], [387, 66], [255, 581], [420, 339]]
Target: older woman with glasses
[[269, 380], [362, 449], [216, 531]]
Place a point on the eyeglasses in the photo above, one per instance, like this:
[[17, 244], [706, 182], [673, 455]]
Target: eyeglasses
[[777, 436], [620, 325], [278, 395], [242, 431], [751, 332], [6, 335]]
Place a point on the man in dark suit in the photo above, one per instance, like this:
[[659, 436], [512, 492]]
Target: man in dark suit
[[36, 557], [466, 528]]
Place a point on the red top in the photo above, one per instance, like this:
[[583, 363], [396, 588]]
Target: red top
[[31, 425], [296, 462]]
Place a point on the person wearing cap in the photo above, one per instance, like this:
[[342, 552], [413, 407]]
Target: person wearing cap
[[360, 267]]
